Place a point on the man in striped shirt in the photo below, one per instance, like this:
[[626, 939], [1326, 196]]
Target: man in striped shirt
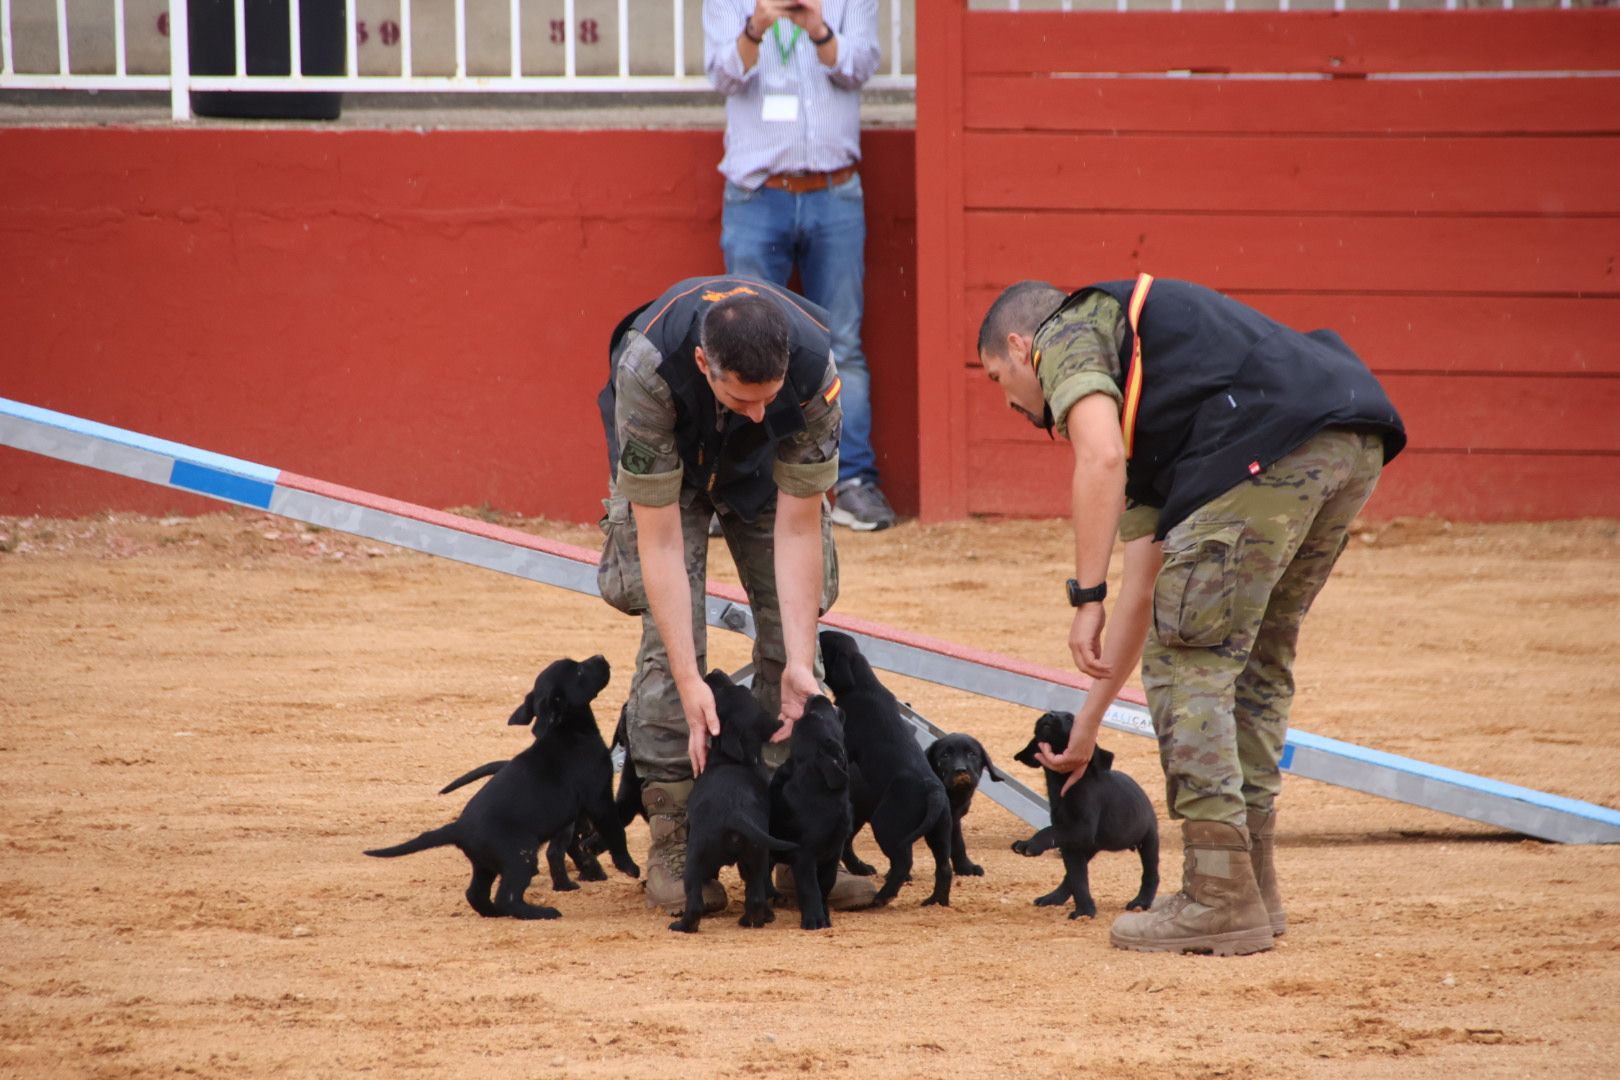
[[791, 72]]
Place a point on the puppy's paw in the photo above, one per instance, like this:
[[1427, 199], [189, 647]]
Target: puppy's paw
[[807, 923], [1140, 903], [1054, 898], [1087, 910], [969, 869], [627, 866], [861, 869], [595, 873], [532, 912], [937, 901], [681, 926], [565, 885], [1023, 847]]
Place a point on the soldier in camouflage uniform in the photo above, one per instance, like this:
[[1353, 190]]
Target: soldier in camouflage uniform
[[1231, 454], [723, 404]]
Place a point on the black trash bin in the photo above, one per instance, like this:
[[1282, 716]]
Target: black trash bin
[[212, 42]]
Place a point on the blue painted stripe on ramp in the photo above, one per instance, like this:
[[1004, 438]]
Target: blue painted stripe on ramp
[[121, 437], [221, 484]]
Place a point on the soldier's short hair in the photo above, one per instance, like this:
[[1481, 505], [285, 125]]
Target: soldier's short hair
[[746, 336], [1020, 309]]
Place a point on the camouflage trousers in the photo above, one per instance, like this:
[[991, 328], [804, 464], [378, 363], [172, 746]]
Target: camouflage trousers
[[1239, 575], [655, 723]]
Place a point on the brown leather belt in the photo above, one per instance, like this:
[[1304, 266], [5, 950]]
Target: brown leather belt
[[797, 183]]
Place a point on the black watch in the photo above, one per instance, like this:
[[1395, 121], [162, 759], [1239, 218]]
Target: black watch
[[1078, 596]]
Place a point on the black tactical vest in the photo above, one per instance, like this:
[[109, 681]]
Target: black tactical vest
[[722, 453], [1226, 392]]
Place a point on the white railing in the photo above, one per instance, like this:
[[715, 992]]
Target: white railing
[[535, 46], [383, 54]]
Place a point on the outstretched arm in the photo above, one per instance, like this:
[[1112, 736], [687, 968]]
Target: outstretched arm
[[798, 589]]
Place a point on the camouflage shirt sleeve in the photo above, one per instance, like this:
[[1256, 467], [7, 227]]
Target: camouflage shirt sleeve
[[649, 471], [807, 461], [1077, 354], [1138, 521]]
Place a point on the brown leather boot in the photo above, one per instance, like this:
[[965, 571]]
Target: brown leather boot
[[849, 892], [1218, 910], [1262, 847], [666, 852]]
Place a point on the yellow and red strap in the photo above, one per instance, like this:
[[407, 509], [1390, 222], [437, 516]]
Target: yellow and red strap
[[1133, 378]]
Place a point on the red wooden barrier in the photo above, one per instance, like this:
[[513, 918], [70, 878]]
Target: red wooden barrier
[[1366, 172], [424, 315]]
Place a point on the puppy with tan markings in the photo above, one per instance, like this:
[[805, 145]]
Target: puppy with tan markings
[[1104, 811], [959, 761]]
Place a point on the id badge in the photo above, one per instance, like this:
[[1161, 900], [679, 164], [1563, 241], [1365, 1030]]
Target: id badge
[[780, 108]]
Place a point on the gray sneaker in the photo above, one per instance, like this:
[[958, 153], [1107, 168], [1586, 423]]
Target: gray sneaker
[[859, 505]]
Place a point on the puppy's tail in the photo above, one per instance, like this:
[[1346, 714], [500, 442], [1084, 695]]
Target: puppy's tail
[[489, 768], [433, 838], [935, 802], [760, 836]]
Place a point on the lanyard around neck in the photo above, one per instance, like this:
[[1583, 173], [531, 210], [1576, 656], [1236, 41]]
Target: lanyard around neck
[[786, 51]]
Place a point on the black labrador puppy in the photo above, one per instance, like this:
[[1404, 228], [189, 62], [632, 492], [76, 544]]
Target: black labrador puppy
[[581, 841], [728, 814], [810, 806], [540, 793], [1104, 811], [891, 785], [958, 761]]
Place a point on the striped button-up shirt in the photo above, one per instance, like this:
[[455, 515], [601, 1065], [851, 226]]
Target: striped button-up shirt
[[827, 133]]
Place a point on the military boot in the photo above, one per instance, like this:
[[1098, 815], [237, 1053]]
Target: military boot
[[1218, 910], [1262, 849], [849, 892], [666, 853]]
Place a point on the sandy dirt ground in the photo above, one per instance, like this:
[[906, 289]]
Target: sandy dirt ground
[[204, 720]]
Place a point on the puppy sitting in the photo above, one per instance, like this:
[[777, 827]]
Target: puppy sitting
[[891, 785], [958, 760], [1104, 811], [810, 806], [537, 795], [728, 814]]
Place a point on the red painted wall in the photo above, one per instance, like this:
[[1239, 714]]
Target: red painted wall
[[422, 315], [1462, 234]]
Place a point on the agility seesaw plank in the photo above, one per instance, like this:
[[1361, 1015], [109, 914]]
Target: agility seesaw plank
[[185, 468]]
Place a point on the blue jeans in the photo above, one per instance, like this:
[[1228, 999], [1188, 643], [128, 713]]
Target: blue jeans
[[764, 233]]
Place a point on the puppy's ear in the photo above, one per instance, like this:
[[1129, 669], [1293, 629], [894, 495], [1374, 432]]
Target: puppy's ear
[[933, 753], [730, 741], [1101, 760], [523, 713], [1026, 756], [989, 766], [834, 768], [545, 701]]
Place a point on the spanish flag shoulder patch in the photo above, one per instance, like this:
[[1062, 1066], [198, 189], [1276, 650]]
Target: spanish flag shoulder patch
[[832, 392]]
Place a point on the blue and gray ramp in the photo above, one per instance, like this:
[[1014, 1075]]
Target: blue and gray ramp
[[332, 506]]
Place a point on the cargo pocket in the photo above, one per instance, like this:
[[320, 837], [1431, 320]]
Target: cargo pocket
[[1195, 594], [829, 560], [618, 574]]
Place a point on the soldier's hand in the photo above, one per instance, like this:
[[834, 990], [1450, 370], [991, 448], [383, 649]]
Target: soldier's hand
[[1073, 760], [702, 721], [798, 686], [1085, 641]]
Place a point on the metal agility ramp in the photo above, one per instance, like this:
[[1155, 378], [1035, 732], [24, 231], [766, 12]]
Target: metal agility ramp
[[332, 506]]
